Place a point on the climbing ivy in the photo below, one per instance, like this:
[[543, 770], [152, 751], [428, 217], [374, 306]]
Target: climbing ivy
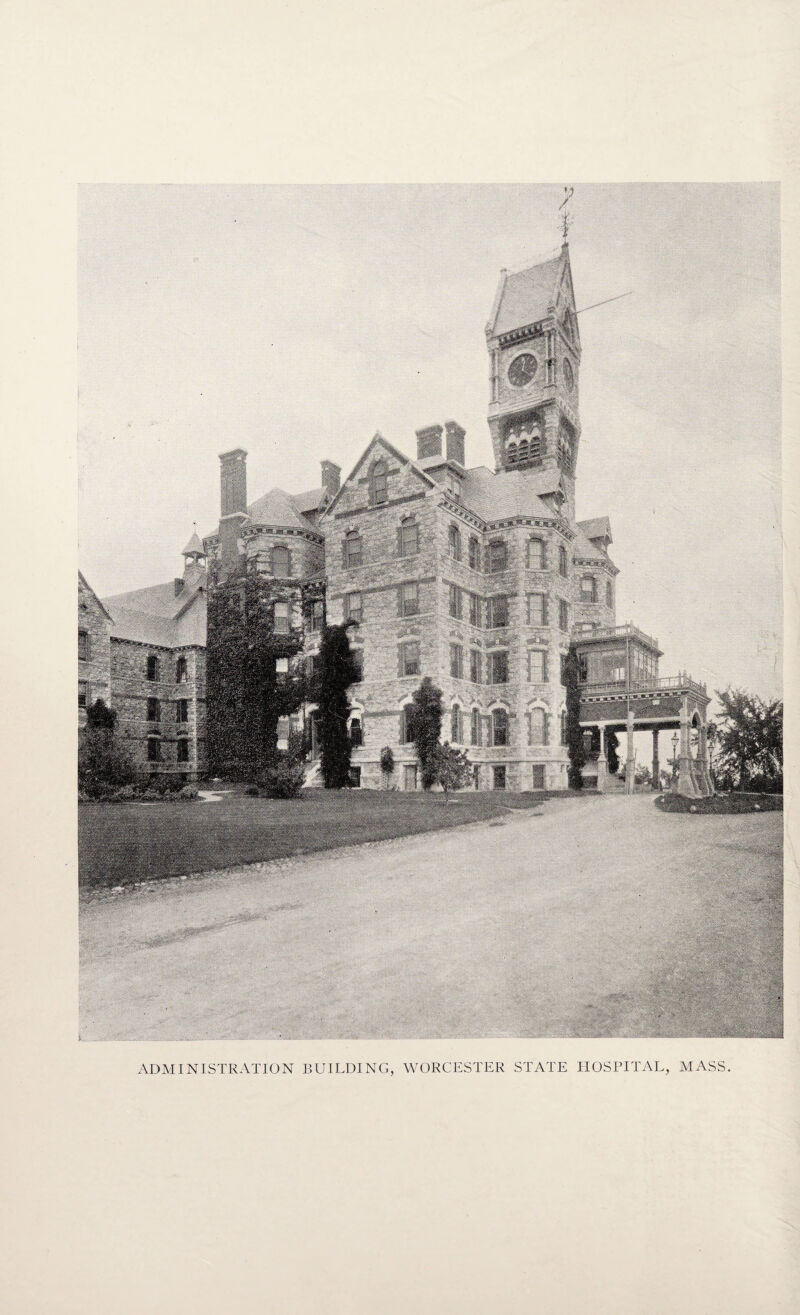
[[245, 695], [575, 749]]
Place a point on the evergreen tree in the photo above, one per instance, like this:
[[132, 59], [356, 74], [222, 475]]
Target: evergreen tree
[[338, 670], [575, 749], [426, 725], [748, 741]]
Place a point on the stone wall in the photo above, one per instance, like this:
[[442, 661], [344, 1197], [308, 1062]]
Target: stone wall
[[131, 691], [94, 670]]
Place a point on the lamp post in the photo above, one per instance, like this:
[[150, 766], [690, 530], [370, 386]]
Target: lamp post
[[675, 742]]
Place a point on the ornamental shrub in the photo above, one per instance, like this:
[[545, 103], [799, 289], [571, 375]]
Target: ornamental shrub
[[285, 780]]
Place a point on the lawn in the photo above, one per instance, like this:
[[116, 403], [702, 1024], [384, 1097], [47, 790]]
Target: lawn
[[119, 844]]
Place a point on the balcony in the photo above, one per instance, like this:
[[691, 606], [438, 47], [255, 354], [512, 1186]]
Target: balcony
[[628, 631]]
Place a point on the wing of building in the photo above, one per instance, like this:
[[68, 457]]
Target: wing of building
[[477, 578]]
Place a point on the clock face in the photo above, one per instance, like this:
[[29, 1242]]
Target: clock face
[[569, 377], [522, 369]]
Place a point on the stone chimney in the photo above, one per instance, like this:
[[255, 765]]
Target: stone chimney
[[331, 478], [233, 504], [429, 442], [455, 442]]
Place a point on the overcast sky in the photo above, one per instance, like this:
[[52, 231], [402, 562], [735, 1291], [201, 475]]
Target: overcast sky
[[295, 321]]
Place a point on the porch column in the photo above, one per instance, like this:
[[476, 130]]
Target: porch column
[[702, 757], [630, 761], [602, 761], [656, 766], [686, 785]]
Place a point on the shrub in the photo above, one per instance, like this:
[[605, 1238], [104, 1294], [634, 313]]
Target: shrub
[[125, 793], [252, 790], [387, 761], [284, 781], [187, 792]]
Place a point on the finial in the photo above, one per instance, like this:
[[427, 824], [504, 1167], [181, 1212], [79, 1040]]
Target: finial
[[567, 217]]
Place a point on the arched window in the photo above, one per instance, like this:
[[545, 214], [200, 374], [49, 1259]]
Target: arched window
[[537, 726], [588, 589], [536, 554], [181, 671], [562, 561], [454, 543], [356, 733], [152, 667], [499, 726], [475, 727], [535, 449], [474, 554], [280, 561], [379, 487], [511, 453], [352, 549], [609, 594], [523, 450]]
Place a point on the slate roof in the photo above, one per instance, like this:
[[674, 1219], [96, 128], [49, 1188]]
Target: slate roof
[[526, 296], [599, 528], [194, 545], [276, 508], [158, 615], [312, 500], [506, 494]]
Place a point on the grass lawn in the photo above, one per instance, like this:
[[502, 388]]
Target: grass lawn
[[119, 844], [735, 802]]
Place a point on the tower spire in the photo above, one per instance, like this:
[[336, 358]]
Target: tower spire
[[566, 218]]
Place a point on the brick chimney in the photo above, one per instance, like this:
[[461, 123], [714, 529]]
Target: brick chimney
[[429, 442], [331, 478], [455, 442], [233, 503]]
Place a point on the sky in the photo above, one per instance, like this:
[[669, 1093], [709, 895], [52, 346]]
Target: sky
[[296, 321]]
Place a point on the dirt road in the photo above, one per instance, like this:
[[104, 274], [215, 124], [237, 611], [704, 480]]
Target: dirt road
[[606, 919]]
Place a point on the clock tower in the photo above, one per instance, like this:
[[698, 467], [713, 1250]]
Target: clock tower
[[534, 369]]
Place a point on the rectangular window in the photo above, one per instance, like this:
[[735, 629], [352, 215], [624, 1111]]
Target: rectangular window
[[182, 713], [409, 540], [537, 609], [352, 550], [474, 610], [475, 666], [352, 607], [152, 668], [280, 562], [474, 554], [499, 777], [281, 666], [358, 663], [475, 727], [83, 645], [498, 555], [83, 694], [153, 710], [563, 614], [454, 595], [153, 751], [354, 779], [317, 615], [456, 661], [498, 611], [563, 668], [409, 598], [537, 782], [281, 618], [537, 665], [409, 658], [183, 750], [498, 668]]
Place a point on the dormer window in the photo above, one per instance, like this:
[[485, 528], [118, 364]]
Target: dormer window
[[379, 484]]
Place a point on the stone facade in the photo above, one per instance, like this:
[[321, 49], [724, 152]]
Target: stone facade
[[94, 654]]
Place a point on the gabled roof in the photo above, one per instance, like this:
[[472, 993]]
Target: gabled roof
[[88, 587], [143, 627], [526, 296], [378, 440], [156, 600], [312, 500]]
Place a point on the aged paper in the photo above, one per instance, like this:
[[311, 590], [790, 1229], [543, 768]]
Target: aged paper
[[553, 1190]]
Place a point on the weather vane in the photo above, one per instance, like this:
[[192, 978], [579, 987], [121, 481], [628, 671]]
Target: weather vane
[[567, 217]]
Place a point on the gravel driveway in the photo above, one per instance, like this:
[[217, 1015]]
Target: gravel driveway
[[605, 919]]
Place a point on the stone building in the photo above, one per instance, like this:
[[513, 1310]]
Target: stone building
[[477, 578]]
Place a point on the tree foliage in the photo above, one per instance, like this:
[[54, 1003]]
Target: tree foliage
[[102, 761], [452, 767], [338, 670], [246, 695], [575, 749], [746, 742], [425, 727]]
